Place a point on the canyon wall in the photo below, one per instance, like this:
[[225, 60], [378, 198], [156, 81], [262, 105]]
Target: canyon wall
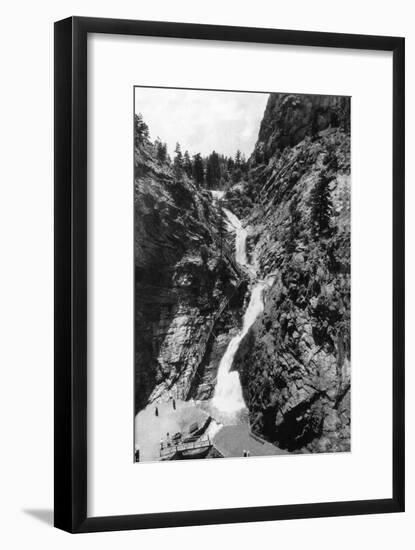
[[295, 362], [182, 280]]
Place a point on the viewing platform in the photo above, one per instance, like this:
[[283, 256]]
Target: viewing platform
[[184, 433], [187, 449]]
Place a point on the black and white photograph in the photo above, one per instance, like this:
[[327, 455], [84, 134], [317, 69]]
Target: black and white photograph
[[203, 275], [242, 274]]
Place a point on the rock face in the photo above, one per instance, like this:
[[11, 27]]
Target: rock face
[[182, 281], [237, 200], [295, 361], [289, 118], [224, 330]]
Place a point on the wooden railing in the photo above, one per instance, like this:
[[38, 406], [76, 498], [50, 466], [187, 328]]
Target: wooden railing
[[168, 449]]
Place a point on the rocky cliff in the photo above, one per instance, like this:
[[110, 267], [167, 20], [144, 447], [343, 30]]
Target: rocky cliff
[[295, 362], [182, 280]]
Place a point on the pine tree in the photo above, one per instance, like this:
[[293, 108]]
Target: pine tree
[[178, 160], [213, 172], [161, 150], [321, 205], [224, 172], [198, 172], [208, 177], [141, 132], [187, 164], [237, 168]]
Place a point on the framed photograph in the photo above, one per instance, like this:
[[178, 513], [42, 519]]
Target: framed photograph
[[229, 274]]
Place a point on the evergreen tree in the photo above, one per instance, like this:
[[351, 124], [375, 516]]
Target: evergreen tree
[[141, 132], [178, 160], [208, 176], [187, 164], [213, 171], [157, 143], [321, 205], [238, 167], [224, 172], [161, 150], [198, 172]]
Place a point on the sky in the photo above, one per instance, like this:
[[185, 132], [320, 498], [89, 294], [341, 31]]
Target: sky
[[202, 120]]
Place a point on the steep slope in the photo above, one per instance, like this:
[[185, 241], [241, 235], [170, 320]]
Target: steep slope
[[295, 362], [182, 280]]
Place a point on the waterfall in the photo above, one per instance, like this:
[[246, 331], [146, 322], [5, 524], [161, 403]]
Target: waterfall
[[217, 194], [234, 224], [228, 397], [241, 233]]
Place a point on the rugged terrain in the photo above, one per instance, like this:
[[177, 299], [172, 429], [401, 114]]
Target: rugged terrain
[[182, 280], [294, 200], [295, 361]]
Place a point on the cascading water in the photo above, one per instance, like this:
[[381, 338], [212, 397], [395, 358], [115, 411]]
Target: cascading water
[[234, 224], [217, 194], [228, 397], [240, 238]]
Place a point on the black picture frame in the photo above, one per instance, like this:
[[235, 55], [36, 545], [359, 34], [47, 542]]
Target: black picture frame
[[70, 175]]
